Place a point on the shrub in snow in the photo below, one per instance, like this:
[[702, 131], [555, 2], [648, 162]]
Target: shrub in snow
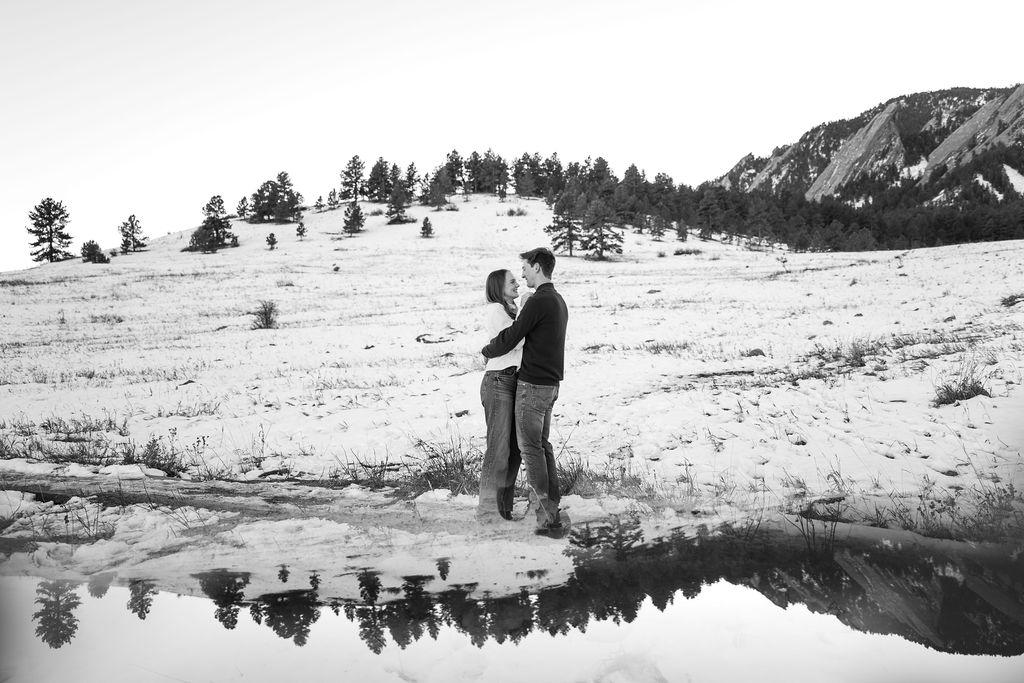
[[1012, 300], [271, 241], [265, 316]]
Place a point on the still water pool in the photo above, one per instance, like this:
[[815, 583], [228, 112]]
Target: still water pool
[[711, 608]]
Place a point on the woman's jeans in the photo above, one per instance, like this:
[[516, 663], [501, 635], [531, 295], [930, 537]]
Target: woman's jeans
[[502, 459], [533, 405]]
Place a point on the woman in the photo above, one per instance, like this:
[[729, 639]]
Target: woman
[[498, 395]]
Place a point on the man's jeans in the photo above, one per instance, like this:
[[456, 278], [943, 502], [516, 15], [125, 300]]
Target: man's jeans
[[533, 427], [501, 461]]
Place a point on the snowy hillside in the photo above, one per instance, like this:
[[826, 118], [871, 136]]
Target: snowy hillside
[[725, 380]]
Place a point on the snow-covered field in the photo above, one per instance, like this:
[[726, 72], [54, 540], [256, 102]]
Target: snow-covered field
[[726, 379]]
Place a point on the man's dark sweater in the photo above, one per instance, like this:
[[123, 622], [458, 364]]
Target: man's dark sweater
[[542, 323]]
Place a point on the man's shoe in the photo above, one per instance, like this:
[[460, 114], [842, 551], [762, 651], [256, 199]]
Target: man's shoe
[[552, 530]]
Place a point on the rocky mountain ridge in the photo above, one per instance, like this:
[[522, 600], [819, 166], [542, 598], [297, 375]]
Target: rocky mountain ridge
[[908, 140]]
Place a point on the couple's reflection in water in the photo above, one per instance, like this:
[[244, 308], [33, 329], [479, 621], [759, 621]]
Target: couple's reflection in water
[[960, 605]]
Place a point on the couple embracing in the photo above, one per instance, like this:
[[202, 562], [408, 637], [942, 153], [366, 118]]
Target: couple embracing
[[525, 359]]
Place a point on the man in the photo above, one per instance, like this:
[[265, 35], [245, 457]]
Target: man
[[541, 323]]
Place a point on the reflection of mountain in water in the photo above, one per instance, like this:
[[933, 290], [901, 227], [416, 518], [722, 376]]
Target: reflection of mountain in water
[[954, 604]]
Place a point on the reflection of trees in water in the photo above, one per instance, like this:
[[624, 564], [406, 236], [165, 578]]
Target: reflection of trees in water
[[873, 589], [444, 564], [289, 615], [955, 605], [56, 623], [369, 586], [226, 590], [140, 598], [99, 584]]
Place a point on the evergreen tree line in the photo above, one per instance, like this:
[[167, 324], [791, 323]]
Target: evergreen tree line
[[880, 211], [592, 207]]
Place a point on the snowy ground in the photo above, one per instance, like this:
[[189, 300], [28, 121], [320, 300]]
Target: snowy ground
[[723, 379]]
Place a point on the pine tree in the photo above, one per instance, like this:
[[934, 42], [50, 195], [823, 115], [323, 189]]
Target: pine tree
[[377, 183], [271, 241], [332, 200], [681, 231], [659, 225], [473, 170], [427, 230], [354, 219], [709, 213], [440, 188], [91, 253], [395, 177], [597, 234], [454, 166], [49, 228], [412, 179], [352, 179], [132, 238], [319, 205], [564, 228], [502, 179], [425, 186], [215, 231], [243, 208], [289, 202], [641, 222], [300, 230], [525, 184], [398, 201], [276, 200]]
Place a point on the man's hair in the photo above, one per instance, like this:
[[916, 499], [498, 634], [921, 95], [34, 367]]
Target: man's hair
[[541, 256]]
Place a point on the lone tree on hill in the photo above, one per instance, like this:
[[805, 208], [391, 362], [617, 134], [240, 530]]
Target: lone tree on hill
[[332, 200], [300, 230], [354, 219], [215, 230], [598, 235], [132, 238], [91, 253], [352, 180], [397, 204], [427, 230], [49, 228], [271, 241], [243, 208], [319, 206]]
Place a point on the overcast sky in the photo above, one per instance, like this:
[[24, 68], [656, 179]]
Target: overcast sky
[[117, 107]]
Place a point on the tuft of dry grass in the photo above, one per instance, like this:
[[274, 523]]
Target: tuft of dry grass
[[968, 382]]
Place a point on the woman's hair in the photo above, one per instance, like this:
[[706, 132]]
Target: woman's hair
[[494, 290]]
